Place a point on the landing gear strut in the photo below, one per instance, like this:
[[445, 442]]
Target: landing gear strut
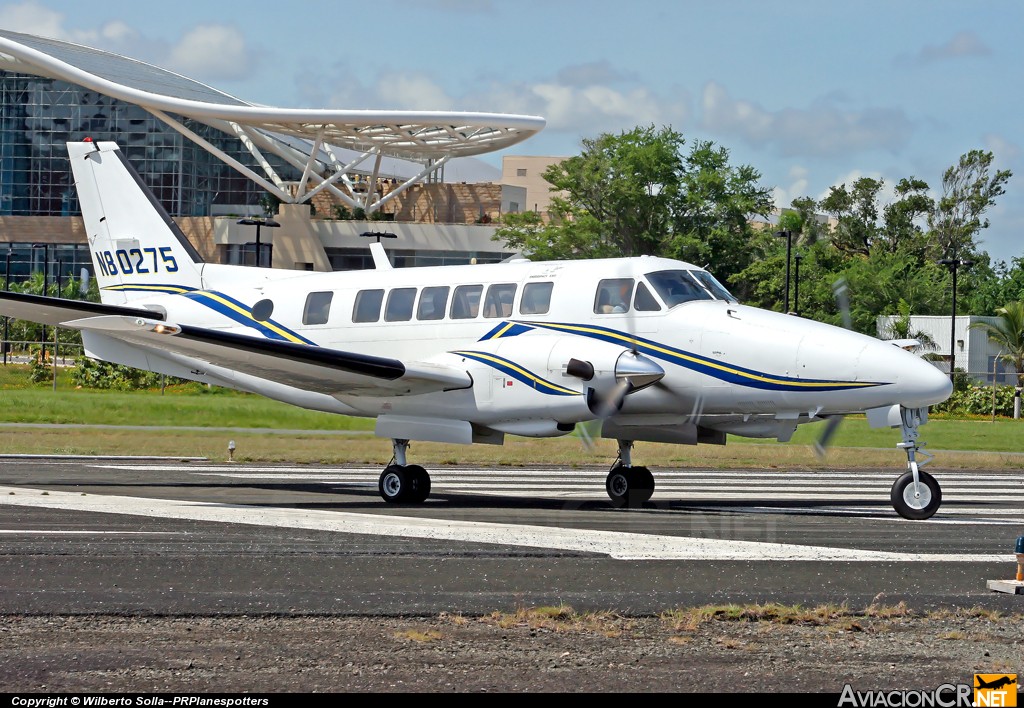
[[401, 483], [915, 495], [628, 486]]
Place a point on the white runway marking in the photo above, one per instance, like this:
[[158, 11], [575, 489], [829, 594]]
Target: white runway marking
[[623, 546]]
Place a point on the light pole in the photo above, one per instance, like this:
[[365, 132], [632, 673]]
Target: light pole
[[259, 223], [46, 287], [788, 235], [7, 288], [797, 257], [954, 265]]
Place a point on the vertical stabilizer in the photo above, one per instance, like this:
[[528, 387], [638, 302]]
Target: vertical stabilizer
[[137, 250]]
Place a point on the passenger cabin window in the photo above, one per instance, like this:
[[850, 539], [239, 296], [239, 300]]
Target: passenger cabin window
[[613, 295], [677, 286], [317, 309], [367, 307], [498, 302], [433, 302], [644, 301], [399, 307], [536, 299], [466, 302]]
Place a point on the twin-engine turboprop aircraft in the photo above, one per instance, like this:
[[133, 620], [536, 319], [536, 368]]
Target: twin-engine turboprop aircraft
[[655, 349]]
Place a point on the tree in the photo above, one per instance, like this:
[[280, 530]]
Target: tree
[[635, 193], [1008, 333], [968, 190], [856, 211]]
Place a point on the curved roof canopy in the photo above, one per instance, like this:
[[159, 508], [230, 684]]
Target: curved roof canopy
[[430, 138]]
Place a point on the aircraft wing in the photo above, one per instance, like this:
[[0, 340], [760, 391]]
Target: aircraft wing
[[310, 368], [55, 310]]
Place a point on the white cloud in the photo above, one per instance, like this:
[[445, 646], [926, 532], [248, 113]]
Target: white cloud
[[821, 130], [32, 18], [1004, 151], [212, 52], [962, 44], [411, 92]]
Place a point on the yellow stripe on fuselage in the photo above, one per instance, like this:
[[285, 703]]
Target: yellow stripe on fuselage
[[631, 341], [246, 313]]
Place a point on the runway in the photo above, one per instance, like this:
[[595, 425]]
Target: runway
[[149, 536]]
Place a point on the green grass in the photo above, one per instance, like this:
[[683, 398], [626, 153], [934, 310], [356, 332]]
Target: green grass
[[986, 444], [1004, 435], [192, 405]]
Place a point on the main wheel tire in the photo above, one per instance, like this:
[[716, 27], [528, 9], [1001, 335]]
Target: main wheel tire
[[420, 484], [918, 504], [629, 486], [395, 484]]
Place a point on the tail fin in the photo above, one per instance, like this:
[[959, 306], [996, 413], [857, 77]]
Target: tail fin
[[137, 250]]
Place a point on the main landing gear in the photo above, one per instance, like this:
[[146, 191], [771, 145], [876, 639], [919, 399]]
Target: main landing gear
[[915, 495], [401, 483], [628, 486]]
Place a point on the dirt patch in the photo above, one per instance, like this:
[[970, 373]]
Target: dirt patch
[[540, 651]]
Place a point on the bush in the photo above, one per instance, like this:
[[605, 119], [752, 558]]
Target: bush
[[90, 373], [40, 370], [977, 400]]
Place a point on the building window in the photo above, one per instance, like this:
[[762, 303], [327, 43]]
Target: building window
[[521, 172]]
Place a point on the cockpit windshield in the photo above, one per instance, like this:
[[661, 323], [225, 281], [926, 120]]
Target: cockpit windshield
[[679, 286]]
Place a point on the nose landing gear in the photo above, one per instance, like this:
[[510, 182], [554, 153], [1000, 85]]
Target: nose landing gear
[[916, 495]]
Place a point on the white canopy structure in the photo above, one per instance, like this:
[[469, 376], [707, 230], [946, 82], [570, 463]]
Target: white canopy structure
[[327, 145]]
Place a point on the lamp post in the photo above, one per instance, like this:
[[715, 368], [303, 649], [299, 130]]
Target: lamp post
[[954, 265], [7, 288], [259, 223], [46, 287], [797, 257], [788, 235]]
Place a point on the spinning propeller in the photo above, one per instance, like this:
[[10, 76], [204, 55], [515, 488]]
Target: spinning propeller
[[631, 371], [842, 295]]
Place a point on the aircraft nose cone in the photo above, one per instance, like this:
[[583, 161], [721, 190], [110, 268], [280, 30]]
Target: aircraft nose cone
[[923, 384]]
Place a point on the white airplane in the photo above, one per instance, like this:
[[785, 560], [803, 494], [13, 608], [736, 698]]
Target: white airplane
[[654, 349]]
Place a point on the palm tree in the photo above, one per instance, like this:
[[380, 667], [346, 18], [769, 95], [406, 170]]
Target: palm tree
[[1008, 333]]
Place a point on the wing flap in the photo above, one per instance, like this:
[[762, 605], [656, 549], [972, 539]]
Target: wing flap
[[312, 368]]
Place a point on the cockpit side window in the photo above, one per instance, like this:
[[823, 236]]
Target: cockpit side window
[[644, 301], [613, 295], [677, 286]]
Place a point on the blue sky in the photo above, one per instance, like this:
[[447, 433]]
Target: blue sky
[[810, 93]]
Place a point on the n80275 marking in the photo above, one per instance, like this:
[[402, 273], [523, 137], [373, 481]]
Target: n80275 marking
[[135, 260]]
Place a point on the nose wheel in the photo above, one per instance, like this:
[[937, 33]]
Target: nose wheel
[[916, 500], [916, 495]]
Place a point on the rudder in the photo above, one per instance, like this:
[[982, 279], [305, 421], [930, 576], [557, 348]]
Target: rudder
[[137, 250]]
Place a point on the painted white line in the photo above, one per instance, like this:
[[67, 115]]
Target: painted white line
[[622, 546], [55, 532]]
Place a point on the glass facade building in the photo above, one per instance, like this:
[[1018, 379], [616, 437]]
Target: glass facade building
[[39, 115]]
